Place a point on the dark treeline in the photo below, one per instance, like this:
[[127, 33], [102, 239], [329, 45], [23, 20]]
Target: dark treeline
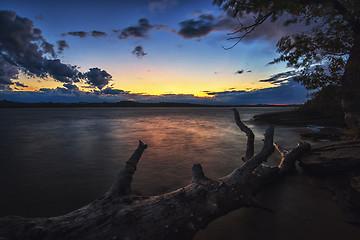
[[9, 104]]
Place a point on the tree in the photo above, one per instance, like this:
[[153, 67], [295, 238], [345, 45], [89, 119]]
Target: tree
[[327, 54]]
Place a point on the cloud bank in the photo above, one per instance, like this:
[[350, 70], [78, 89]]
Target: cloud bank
[[23, 48], [286, 93]]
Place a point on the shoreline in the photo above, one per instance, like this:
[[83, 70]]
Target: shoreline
[[299, 118], [334, 158], [9, 104]]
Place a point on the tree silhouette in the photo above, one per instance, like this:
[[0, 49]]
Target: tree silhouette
[[327, 54]]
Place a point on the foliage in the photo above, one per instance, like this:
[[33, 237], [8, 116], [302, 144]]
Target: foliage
[[325, 104], [321, 53]]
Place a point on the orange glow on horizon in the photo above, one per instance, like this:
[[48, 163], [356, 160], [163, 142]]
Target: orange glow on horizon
[[158, 83]]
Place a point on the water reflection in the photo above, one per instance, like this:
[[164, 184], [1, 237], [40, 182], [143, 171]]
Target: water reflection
[[56, 160]]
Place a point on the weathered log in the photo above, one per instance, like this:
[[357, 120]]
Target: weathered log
[[120, 214]]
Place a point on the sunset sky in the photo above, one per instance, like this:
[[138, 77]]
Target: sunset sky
[[141, 50]]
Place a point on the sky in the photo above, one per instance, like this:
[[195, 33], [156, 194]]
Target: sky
[[139, 50]]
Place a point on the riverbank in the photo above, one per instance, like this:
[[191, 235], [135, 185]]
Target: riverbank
[[300, 117], [334, 158]]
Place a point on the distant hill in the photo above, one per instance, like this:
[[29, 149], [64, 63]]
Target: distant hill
[[9, 104]]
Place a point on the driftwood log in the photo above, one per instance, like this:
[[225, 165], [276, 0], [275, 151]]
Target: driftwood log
[[120, 214]]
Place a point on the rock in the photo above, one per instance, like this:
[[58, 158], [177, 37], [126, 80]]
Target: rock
[[338, 164], [355, 183], [341, 157], [323, 134]]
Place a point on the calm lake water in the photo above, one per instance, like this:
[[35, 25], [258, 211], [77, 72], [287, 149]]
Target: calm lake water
[[54, 161]]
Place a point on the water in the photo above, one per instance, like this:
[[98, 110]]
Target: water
[[56, 160]]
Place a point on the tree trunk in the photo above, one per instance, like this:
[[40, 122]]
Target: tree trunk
[[120, 214], [351, 88]]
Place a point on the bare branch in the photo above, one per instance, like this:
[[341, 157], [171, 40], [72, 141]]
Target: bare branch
[[246, 30], [281, 151], [197, 173], [249, 152], [244, 173], [122, 186]]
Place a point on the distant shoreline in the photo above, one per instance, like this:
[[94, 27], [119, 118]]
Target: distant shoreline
[[9, 104]]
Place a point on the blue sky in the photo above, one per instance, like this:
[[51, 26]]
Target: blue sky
[[142, 50]]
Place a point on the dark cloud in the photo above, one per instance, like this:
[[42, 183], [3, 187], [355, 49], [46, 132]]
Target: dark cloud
[[71, 87], [97, 34], [61, 45], [139, 31], [55, 91], [239, 72], [18, 42], [20, 84], [97, 77], [280, 77], [48, 48], [7, 72], [197, 28], [68, 89], [80, 34], [205, 24], [139, 52], [60, 71], [111, 91], [23, 48]]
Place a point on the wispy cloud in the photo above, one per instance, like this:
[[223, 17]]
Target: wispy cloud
[[161, 5], [82, 34], [97, 34], [239, 71], [140, 30], [288, 92], [281, 78]]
